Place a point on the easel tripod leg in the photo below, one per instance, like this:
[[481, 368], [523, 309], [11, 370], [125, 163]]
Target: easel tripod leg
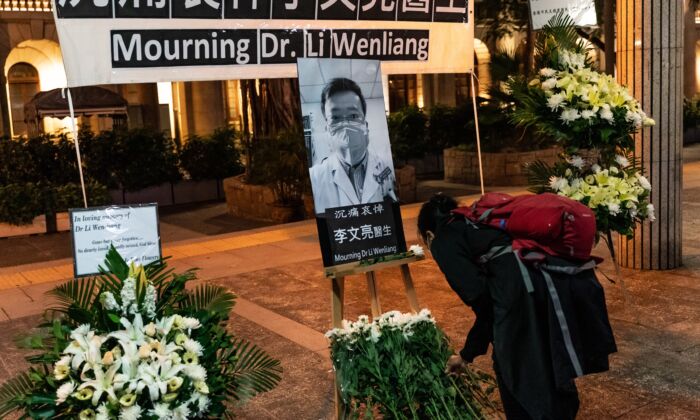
[[373, 295], [337, 295], [410, 290]]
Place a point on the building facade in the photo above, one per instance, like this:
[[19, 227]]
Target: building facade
[[31, 62]]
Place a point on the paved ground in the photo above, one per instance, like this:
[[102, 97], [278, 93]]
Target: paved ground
[[284, 306], [177, 223]]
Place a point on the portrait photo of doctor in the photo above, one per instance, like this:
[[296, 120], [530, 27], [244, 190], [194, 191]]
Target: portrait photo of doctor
[[350, 171]]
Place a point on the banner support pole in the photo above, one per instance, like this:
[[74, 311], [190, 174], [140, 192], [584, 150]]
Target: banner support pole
[[74, 129], [478, 135]]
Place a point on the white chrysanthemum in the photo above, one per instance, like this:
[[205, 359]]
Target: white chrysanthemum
[[417, 250], [130, 413], [547, 72], [644, 182], [596, 168], [614, 208], [570, 115], [182, 412], [202, 404], [102, 412], [556, 101], [196, 372], [572, 60], [634, 118], [64, 392], [587, 114], [557, 183], [576, 161], [193, 346], [549, 84], [651, 212], [606, 113], [375, 333], [109, 302], [190, 323], [149, 301], [161, 411], [622, 161]]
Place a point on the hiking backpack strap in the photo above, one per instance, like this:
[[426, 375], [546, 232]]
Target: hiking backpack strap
[[545, 269], [497, 251], [566, 333]]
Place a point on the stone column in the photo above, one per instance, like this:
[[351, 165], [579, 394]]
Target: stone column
[[650, 63], [690, 82]]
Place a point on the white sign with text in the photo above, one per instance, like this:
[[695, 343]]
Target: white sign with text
[[133, 230], [581, 11], [181, 40]]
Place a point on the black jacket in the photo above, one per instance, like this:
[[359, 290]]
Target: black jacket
[[530, 352]]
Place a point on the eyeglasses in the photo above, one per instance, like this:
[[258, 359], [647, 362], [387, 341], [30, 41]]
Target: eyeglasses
[[336, 120]]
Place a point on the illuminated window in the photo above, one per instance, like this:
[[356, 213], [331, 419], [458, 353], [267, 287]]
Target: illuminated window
[[403, 91], [23, 82], [234, 104]]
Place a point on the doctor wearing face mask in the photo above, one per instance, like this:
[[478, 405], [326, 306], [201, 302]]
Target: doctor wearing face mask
[[351, 174]]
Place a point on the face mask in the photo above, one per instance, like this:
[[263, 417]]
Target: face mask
[[350, 139]]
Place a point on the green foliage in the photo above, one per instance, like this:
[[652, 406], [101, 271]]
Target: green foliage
[[559, 34], [131, 159], [40, 176], [408, 133], [447, 126], [281, 164], [236, 369], [16, 164], [20, 203], [691, 112], [212, 157], [13, 392]]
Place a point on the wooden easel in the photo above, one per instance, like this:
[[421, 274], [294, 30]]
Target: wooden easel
[[337, 276]]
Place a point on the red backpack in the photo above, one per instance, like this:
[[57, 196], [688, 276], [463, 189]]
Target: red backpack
[[547, 222]]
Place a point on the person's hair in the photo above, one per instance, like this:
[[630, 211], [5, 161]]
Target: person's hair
[[433, 212], [338, 85]]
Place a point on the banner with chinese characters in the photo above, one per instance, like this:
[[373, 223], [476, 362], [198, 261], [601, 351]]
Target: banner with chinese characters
[[350, 165], [130, 41], [582, 12]]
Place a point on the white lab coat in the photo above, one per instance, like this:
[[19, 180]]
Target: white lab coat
[[332, 188]]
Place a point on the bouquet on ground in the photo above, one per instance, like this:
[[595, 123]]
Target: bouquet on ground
[[618, 194], [571, 102], [394, 367], [594, 119], [134, 344]]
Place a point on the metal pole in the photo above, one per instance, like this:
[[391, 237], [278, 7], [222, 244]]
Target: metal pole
[[74, 128], [478, 135]]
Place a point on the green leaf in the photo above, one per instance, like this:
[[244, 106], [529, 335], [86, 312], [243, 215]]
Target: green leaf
[[13, 393], [77, 298], [210, 298], [115, 264], [249, 370], [114, 317]]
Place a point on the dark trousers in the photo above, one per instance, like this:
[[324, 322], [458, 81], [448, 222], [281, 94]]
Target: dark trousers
[[514, 411]]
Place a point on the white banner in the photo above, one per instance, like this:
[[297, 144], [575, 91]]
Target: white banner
[[138, 41], [581, 11], [132, 230]]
